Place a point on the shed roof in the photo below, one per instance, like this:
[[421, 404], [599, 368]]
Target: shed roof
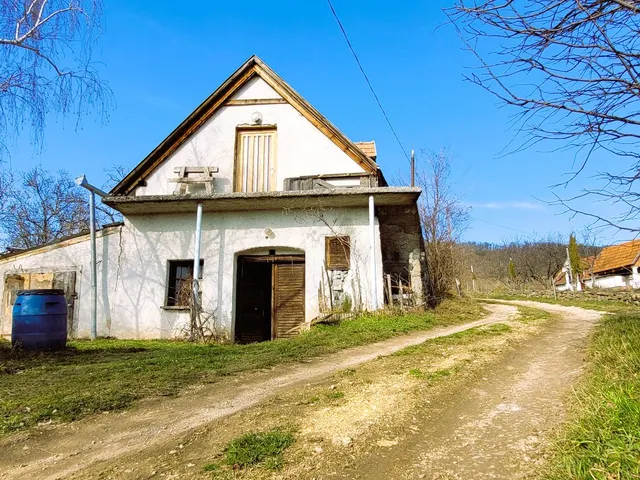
[[624, 255]]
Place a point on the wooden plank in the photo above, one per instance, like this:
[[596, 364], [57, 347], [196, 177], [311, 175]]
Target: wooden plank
[[67, 281], [13, 282], [255, 101], [186, 170], [288, 298]]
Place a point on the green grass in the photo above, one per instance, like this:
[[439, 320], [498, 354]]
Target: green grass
[[438, 374], [531, 315], [335, 395], [602, 439], [265, 448], [610, 306], [104, 375]]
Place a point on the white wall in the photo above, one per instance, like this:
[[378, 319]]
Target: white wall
[[73, 255], [302, 149], [612, 281], [133, 267]]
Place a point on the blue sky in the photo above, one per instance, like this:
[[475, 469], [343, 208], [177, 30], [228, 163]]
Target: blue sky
[[162, 59]]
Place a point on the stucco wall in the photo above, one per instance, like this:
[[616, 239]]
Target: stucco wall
[[612, 281], [301, 149], [132, 266], [72, 255]]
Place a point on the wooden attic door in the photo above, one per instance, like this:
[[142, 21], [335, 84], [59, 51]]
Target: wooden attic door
[[288, 298], [255, 164]]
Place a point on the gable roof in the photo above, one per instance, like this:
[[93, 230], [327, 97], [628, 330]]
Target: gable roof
[[619, 256], [251, 68]]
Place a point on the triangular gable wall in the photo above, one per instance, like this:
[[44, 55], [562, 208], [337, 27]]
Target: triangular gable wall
[[234, 84]]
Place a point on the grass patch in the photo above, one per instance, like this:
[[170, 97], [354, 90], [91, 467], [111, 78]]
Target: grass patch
[[109, 374], [602, 439], [335, 395], [429, 376], [530, 315], [610, 306], [263, 449]]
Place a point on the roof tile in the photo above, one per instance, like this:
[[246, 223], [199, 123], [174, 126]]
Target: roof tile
[[617, 256]]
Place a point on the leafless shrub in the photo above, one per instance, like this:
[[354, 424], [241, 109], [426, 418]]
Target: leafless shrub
[[444, 218]]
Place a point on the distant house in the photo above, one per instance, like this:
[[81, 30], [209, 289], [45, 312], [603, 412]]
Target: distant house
[[563, 280], [617, 266], [295, 219]]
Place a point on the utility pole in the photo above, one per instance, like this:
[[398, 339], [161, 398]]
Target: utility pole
[[413, 168]]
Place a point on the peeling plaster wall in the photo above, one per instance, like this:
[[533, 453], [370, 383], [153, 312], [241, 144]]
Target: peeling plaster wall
[[132, 270], [301, 149], [72, 255]]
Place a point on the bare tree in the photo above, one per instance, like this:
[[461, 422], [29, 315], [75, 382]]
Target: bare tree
[[114, 175], [444, 218], [42, 207], [45, 64], [572, 68]]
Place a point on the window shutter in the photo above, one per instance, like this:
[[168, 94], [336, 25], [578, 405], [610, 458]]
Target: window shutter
[[338, 252]]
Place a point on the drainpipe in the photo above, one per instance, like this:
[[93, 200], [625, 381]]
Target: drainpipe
[[82, 181], [94, 271], [372, 253], [196, 259]]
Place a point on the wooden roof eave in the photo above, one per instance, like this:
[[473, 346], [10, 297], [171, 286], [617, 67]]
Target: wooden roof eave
[[253, 66]]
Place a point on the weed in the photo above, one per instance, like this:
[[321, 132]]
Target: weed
[[431, 375], [211, 467], [334, 395], [258, 448]]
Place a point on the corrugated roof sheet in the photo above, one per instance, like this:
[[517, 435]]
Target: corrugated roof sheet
[[617, 256], [368, 148]]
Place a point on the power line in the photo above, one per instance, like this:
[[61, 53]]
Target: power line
[[501, 226], [355, 55]]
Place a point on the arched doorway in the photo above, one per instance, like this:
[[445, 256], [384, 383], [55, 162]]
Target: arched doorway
[[270, 300]]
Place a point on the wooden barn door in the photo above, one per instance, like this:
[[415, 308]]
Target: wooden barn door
[[288, 297]]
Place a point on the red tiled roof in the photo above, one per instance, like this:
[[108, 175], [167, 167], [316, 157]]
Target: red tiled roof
[[617, 256]]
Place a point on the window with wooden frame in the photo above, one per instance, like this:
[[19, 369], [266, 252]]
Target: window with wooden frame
[[180, 282], [255, 164], [338, 252]]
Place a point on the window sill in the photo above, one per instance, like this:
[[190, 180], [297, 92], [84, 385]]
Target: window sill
[[175, 308]]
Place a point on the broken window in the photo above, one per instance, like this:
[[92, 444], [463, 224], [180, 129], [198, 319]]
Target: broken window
[[180, 286], [338, 252]]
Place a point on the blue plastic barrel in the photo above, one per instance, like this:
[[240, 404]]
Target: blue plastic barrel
[[40, 320]]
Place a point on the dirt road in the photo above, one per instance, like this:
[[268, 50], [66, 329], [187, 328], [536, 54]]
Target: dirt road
[[496, 425], [158, 425]]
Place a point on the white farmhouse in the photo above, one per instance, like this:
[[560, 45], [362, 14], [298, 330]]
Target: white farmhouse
[[297, 220], [617, 266]]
